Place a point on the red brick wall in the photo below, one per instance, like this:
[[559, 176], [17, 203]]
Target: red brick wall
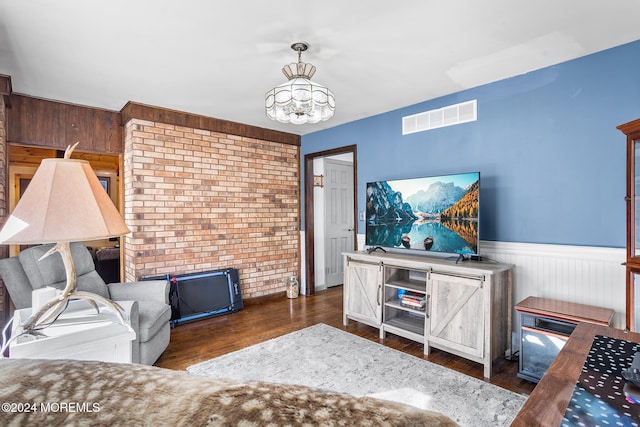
[[198, 200]]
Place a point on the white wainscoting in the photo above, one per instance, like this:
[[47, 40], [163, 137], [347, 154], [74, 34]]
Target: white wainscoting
[[581, 274], [303, 256]]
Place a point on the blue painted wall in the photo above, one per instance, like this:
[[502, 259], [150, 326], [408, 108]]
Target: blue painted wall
[[551, 160]]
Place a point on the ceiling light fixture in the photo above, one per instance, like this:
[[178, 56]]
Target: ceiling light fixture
[[300, 100]]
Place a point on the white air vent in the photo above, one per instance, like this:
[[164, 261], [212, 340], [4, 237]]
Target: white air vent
[[445, 116]]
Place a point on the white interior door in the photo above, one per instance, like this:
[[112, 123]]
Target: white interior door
[[339, 227]]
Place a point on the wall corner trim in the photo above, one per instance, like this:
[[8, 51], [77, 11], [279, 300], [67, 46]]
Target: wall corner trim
[[5, 89]]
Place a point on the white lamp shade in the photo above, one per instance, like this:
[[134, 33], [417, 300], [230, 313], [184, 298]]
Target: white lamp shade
[[64, 202]]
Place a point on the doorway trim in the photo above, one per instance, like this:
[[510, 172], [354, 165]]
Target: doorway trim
[[309, 220]]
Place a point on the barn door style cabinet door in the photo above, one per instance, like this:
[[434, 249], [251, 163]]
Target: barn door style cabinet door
[[362, 291], [462, 308], [456, 319], [632, 198]]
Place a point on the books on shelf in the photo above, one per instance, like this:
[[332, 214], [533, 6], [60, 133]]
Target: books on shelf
[[413, 300]]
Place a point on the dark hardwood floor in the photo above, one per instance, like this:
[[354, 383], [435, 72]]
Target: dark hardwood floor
[[205, 339]]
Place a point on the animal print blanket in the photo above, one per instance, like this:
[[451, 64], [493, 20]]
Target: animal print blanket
[[74, 393]]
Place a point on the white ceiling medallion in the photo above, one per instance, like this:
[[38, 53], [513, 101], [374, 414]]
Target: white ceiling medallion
[[300, 100]]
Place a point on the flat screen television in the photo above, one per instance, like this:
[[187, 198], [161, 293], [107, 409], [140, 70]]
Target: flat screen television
[[437, 214]]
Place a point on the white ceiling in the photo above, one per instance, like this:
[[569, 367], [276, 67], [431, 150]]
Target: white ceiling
[[219, 58]]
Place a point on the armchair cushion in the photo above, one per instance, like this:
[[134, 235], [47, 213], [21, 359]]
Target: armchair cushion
[[153, 290], [11, 272], [153, 317], [132, 316], [50, 270]]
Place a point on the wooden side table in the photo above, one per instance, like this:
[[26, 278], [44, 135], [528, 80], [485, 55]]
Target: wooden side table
[[545, 326], [79, 334], [564, 310]]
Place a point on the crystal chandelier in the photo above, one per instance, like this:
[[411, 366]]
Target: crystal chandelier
[[300, 100]]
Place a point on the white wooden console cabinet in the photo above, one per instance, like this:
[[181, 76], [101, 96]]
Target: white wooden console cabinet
[[79, 333], [466, 309]]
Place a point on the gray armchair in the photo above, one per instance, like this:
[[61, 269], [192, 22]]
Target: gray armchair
[[146, 303]]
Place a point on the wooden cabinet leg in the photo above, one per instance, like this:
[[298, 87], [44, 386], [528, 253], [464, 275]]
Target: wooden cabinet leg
[[488, 370]]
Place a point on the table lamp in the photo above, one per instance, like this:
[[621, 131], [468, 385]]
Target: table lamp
[[63, 203]]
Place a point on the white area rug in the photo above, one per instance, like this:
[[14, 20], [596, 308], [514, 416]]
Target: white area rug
[[328, 358]]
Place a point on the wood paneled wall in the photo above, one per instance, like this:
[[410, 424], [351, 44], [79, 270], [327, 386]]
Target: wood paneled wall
[[39, 122], [22, 155], [194, 121]]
